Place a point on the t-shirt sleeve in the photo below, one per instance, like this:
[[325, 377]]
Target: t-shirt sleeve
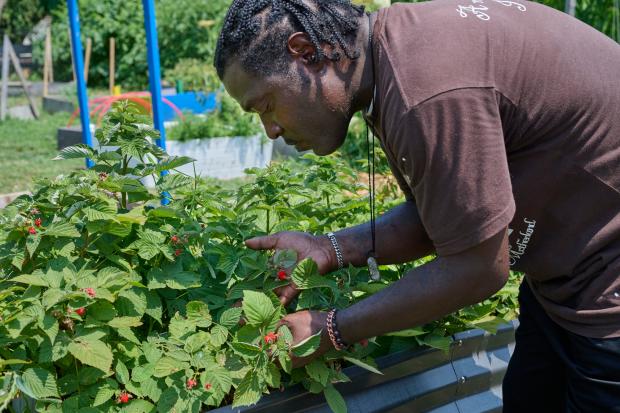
[[458, 168]]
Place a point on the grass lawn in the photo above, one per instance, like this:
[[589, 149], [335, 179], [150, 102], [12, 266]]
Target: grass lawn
[[26, 151]]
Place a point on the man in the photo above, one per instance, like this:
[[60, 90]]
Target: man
[[501, 122]]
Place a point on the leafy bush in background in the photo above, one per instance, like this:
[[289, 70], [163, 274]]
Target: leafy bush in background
[[186, 28], [225, 121]]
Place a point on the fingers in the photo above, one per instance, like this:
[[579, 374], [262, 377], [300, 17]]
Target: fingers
[[287, 294], [267, 242]]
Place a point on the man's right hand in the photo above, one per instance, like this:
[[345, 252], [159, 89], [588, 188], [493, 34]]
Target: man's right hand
[[306, 245]]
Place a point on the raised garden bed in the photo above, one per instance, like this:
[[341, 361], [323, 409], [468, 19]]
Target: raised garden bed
[[466, 379]]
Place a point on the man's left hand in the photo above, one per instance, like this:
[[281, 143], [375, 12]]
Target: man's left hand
[[304, 324]]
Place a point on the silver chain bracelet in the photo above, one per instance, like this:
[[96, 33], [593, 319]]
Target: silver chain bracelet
[[334, 241]]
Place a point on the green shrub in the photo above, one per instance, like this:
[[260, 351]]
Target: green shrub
[[113, 302], [226, 121], [186, 28]]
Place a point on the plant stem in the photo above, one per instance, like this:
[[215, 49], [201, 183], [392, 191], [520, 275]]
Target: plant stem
[[124, 194], [267, 211]]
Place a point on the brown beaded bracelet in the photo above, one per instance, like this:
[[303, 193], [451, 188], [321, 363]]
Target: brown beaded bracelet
[[333, 332]]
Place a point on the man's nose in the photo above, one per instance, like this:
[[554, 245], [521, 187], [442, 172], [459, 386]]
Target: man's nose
[[273, 130]]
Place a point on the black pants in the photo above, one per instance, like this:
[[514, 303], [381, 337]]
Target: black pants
[[553, 370]]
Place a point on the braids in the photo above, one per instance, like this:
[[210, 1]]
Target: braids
[[257, 31]]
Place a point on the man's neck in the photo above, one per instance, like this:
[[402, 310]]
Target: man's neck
[[362, 79]]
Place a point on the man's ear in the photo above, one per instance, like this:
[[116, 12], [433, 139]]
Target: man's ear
[[301, 47]]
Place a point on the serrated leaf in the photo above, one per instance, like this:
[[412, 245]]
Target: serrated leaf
[[120, 322], [79, 151], [230, 317], [198, 312], [318, 371], [219, 335], [92, 352], [41, 383], [248, 392], [334, 399], [166, 366], [62, 229], [306, 275], [172, 163], [196, 341], [104, 395], [257, 307], [122, 374], [246, 349], [30, 279], [285, 258], [307, 346]]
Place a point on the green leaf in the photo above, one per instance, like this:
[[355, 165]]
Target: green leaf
[[363, 365], [273, 376], [153, 305], [181, 328], [318, 371], [257, 307], [62, 229], [285, 335], [246, 349], [334, 399], [120, 322], [165, 366], [306, 275], [196, 341], [230, 317], [410, 332], [307, 346], [104, 395], [248, 392], [78, 151], [285, 258], [437, 341], [40, 382], [198, 312], [172, 163], [219, 378], [30, 279], [140, 374], [219, 335], [92, 352], [122, 374]]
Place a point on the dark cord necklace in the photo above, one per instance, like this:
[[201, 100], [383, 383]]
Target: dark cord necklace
[[373, 268]]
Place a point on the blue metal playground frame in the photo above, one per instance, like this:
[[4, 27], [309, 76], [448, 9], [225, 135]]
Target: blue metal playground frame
[[152, 48]]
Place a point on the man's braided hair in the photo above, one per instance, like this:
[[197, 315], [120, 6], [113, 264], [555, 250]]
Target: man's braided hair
[[257, 31]]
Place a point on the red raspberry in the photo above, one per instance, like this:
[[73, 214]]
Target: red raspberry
[[191, 383], [178, 252], [208, 386], [90, 291], [174, 239], [32, 230], [124, 397], [38, 222], [282, 275], [103, 176], [271, 338], [80, 311]]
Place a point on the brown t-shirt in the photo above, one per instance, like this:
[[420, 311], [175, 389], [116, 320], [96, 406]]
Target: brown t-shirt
[[501, 113]]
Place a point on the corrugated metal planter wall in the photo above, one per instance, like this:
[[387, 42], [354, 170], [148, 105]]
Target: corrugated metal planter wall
[[466, 380]]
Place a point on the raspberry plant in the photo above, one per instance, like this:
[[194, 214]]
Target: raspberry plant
[[116, 302]]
